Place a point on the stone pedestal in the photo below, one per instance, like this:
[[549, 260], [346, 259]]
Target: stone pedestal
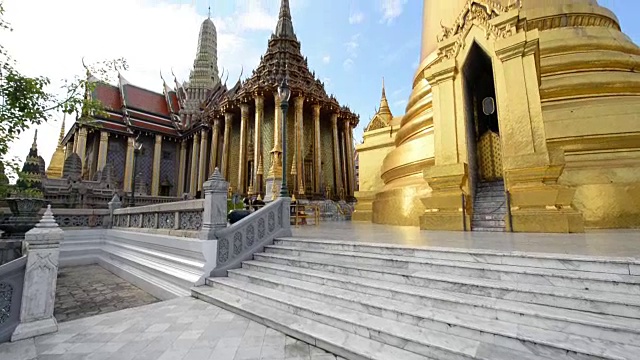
[[444, 206], [364, 208], [39, 290], [269, 194], [214, 217]]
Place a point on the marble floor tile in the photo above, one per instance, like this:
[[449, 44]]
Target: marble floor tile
[[153, 332]]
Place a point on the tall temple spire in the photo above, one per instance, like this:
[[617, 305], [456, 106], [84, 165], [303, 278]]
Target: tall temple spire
[[35, 141], [205, 66], [284, 29], [64, 118], [384, 104]]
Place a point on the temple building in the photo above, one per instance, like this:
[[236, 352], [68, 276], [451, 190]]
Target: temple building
[[523, 117], [173, 141]]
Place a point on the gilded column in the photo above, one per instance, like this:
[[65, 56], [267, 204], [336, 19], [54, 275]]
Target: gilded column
[[215, 139], [155, 175], [128, 167], [337, 169], [275, 172], [202, 168], [348, 144], [193, 178], [343, 161], [182, 167], [81, 146], [226, 144], [257, 157], [299, 120], [242, 162], [102, 150], [317, 159]]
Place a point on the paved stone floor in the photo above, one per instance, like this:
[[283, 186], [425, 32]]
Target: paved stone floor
[[90, 290], [183, 328], [615, 243]]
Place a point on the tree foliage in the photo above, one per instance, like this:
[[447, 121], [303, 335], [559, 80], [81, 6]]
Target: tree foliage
[[26, 101]]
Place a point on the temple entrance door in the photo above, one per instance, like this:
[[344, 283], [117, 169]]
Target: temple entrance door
[[484, 145]]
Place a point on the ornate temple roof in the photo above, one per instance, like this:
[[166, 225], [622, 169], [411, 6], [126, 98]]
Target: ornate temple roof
[[31, 177], [283, 58], [383, 116]]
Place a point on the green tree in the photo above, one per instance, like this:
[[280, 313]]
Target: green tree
[[27, 101]]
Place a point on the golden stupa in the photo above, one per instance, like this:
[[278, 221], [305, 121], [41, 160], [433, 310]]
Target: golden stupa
[[56, 165], [541, 97]]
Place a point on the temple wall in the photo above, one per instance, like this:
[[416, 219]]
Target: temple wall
[[144, 161], [168, 166], [116, 156], [326, 146], [267, 140], [234, 153]]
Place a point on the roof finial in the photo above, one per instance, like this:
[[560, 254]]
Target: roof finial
[[209, 11], [284, 29], [35, 140], [383, 92]]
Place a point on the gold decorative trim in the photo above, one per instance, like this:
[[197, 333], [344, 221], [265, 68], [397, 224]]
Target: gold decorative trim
[[407, 169], [570, 20]]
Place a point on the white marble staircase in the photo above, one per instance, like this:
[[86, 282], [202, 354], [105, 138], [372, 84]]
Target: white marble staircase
[[378, 301]]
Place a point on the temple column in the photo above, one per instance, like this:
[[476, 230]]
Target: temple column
[[128, 168], [81, 146], [193, 178], [155, 176], [257, 157], [226, 144], [242, 162], [182, 167], [337, 168], [102, 150], [202, 171], [343, 162], [348, 144], [299, 120], [274, 177], [215, 138], [317, 159]]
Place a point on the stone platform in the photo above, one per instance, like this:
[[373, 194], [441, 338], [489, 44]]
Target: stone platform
[[183, 328], [91, 290]]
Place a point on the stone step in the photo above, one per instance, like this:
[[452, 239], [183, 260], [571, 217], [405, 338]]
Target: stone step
[[527, 339], [482, 217], [609, 328], [489, 196], [625, 269], [488, 224], [504, 273], [489, 205], [618, 304], [421, 341], [490, 184], [329, 338], [475, 227]]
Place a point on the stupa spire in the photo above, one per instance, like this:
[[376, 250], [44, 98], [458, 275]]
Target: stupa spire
[[64, 117], [34, 145], [284, 29], [384, 103]]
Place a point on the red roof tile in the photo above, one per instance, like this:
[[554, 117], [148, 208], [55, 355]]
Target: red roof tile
[[145, 100], [152, 127], [108, 95]]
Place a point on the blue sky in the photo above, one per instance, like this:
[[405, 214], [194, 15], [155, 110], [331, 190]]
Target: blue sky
[[350, 44]]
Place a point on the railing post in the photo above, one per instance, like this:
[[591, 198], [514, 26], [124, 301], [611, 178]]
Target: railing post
[[114, 204], [214, 216], [464, 213], [508, 198], [39, 290]]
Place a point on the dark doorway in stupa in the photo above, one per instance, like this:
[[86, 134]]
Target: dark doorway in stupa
[[484, 147], [485, 150]]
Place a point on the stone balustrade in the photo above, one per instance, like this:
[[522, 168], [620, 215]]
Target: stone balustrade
[[73, 218], [181, 218]]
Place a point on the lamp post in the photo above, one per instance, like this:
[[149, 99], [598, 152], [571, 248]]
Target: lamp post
[[137, 147], [283, 95]]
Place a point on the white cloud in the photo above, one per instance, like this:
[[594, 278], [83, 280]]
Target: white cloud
[[352, 46], [326, 59], [151, 35], [391, 9], [356, 17], [348, 64], [400, 103]]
